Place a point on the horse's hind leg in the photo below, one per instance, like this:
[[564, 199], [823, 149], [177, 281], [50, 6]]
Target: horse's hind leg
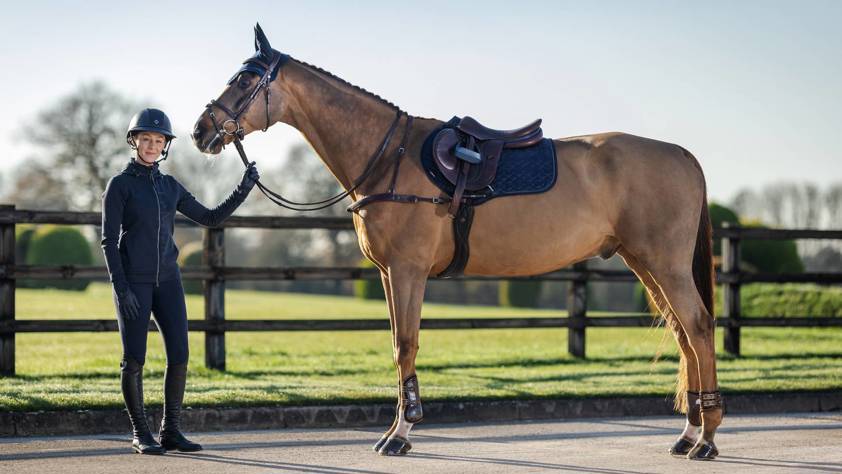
[[687, 386], [407, 285], [698, 325]]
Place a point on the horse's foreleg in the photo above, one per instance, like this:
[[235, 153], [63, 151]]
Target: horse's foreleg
[[384, 278], [407, 295]]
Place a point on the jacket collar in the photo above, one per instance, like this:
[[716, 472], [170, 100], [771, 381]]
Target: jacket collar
[[136, 169]]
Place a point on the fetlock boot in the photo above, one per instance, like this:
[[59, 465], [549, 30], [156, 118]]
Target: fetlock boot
[[131, 382], [170, 435]]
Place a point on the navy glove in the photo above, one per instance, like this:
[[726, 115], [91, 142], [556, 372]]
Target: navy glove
[[250, 176], [127, 303]]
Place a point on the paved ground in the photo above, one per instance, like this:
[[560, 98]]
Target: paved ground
[[775, 443]]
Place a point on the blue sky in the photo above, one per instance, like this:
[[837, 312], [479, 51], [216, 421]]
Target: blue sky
[[752, 88]]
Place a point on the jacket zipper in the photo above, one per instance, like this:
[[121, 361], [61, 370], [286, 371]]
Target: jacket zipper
[[158, 235]]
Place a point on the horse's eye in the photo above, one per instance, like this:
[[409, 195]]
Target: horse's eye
[[243, 83]]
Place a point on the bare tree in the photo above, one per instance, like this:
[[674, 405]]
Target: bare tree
[[209, 179], [35, 187], [79, 140], [793, 205], [833, 204]]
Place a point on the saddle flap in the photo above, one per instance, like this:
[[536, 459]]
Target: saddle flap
[[480, 173], [443, 146]]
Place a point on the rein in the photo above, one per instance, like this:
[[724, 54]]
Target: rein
[[325, 203]]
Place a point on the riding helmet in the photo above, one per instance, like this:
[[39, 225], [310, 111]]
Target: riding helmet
[[150, 120]]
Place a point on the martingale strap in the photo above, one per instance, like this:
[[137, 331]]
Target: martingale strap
[[710, 400], [391, 195]]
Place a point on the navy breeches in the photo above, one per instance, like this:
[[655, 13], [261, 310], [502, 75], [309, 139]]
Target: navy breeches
[[166, 303]]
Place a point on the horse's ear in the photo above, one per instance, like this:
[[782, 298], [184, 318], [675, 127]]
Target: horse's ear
[[261, 43]]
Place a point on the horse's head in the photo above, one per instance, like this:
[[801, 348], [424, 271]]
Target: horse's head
[[244, 105]]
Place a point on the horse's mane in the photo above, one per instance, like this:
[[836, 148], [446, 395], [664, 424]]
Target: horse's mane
[[346, 83]]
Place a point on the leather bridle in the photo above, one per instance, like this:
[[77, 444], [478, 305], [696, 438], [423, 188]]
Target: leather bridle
[[231, 127]]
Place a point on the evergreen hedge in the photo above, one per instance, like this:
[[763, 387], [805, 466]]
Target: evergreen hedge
[[190, 255], [520, 293], [369, 289], [59, 245]]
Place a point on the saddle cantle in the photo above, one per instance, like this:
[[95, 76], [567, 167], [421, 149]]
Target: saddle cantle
[[468, 153], [470, 126]]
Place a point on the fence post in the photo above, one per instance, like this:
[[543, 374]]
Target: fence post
[[731, 290], [577, 302], [213, 255], [7, 294]]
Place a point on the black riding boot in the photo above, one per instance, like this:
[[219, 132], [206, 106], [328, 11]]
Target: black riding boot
[[131, 381], [170, 436]]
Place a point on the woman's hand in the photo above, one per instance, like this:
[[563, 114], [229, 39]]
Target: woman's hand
[[128, 304], [250, 176]]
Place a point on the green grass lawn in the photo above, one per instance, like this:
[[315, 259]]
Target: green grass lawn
[[81, 370]]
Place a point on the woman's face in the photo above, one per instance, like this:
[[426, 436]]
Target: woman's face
[[149, 146]]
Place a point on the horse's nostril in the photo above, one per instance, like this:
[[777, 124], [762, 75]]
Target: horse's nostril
[[197, 132]]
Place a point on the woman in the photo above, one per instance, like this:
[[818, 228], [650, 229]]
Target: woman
[[138, 211]]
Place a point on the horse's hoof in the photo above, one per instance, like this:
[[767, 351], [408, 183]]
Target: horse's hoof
[[703, 451], [395, 446], [379, 444], [681, 447]]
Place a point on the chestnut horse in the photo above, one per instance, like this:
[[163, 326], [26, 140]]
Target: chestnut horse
[[615, 193]]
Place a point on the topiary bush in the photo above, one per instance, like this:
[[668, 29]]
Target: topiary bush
[[190, 255], [718, 215], [775, 256], [59, 245], [23, 237], [642, 302], [369, 289], [520, 293]]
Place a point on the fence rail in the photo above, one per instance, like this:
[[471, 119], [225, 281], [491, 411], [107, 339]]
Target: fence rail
[[214, 273]]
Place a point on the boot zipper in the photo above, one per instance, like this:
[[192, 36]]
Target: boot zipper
[[158, 235]]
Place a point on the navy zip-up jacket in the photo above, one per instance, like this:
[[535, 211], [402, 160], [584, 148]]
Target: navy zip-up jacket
[[138, 215]]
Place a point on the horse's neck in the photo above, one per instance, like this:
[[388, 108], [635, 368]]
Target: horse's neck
[[343, 124]]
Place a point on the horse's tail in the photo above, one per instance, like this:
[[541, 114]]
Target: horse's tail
[[703, 276], [703, 258]]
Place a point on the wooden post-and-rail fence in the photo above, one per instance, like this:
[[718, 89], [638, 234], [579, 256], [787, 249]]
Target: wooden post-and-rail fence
[[215, 273]]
